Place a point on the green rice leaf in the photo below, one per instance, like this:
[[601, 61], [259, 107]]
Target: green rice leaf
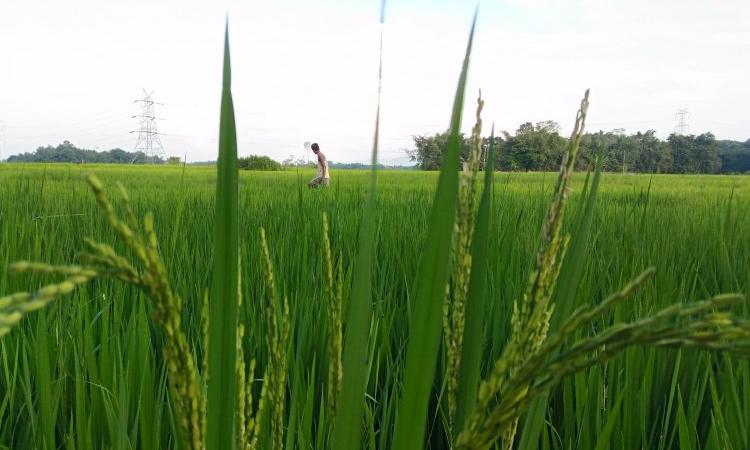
[[605, 437], [347, 425], [432, 276], [222, 350], [44, 381], [473, 348], [684, 430]]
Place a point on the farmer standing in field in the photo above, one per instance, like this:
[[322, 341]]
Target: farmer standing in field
[[322, 177]]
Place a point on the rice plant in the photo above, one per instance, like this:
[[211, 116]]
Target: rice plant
[[230, 336]]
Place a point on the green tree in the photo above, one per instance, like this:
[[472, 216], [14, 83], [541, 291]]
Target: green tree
[[429, 149], [682, 153], [654, 155], [535, 146], [501, 158], [593, 146], [706, 154], [735, 156], [695, 154], [625, 151]]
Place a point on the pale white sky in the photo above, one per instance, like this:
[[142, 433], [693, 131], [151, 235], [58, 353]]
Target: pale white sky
[[307, 70]]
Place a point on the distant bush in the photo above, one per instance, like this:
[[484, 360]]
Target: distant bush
[[254, 162]]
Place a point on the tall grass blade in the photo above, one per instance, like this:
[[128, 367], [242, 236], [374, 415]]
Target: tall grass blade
[[347, 425], [684, 430], [222, 346], [473, 348], [432, 276], [44, 381], [605, 437]]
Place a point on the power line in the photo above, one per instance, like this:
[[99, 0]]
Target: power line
[[148, 136]]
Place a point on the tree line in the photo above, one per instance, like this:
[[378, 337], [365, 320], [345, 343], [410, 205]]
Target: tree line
[[539, 147], [533, 147], [69, 153]]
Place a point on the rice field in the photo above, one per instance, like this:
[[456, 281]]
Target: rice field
[[88, 372]]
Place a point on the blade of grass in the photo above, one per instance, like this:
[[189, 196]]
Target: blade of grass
[[605, 437], [667, 426], [432, 276], [684, 430], [347, 425], [44, 381], [473, 347], [222, 351]]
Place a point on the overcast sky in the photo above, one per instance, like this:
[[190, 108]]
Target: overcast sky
[[307, 70]]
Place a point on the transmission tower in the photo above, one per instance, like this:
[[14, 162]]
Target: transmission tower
[[681, 116], [148, 140]]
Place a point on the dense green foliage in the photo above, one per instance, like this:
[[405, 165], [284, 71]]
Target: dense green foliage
[[255, 162], [539, 147], [735, 156], [69, 153], [87, 372]]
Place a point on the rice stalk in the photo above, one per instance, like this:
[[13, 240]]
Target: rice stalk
[[704, 325], [248, 416], [532, 362], [183, 373], [242, 388], [15, 306], [454, 307], [277, 339], [531, 316], [473, 346], [151, 277], [565, 297], [334, 299]]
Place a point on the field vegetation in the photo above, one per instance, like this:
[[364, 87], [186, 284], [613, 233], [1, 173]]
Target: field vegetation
[[87, 371], [209, 308]]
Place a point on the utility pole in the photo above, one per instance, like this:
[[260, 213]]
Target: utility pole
[[681, 116], [148, 140]]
